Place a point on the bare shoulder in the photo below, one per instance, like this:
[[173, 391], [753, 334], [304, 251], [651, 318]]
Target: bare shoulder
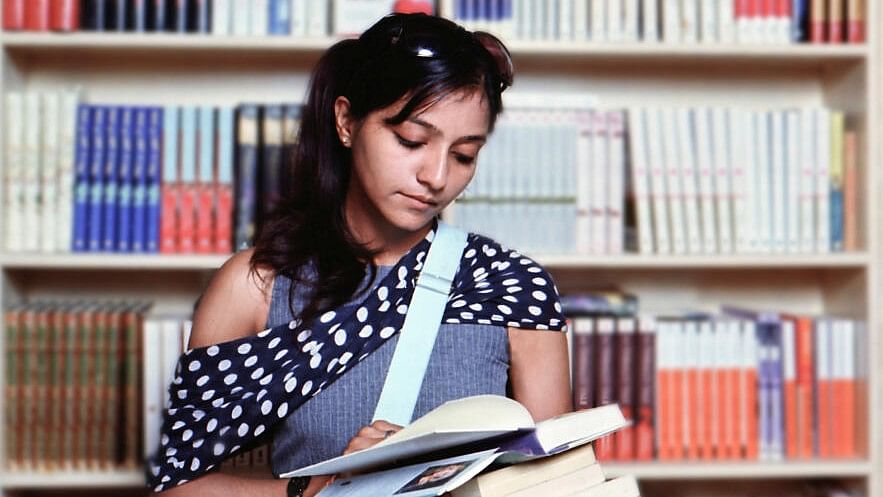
[[235, 304]]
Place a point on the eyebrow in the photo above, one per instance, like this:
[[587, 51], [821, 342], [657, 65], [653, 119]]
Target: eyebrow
[[431, 127]]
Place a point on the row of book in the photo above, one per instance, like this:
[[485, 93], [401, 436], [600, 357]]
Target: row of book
[[704, 180], [73, 386], [297, 18], [105, 178], [668, 21], [739, 386]]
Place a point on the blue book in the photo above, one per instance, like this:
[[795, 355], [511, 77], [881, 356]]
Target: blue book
[[81, 178], [280, 17], [139, 183], [836, 218], [111, 179], [160, 15], [799, 19], [153, 176], [96, 179], [124, 188]]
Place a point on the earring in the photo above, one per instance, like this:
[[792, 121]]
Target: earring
[[345, 140]]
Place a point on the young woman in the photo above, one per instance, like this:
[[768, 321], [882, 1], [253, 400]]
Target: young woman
[[390, 135]]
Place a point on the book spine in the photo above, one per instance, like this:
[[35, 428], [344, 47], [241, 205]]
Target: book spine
[[12, 375], [161, 15], [804, 350], [206, 182], [203, 21], [824, 405], [846, 397], [605, 376], [13, 195], [583, 221], [154, 178], [280, 17], [836, 178], [692, 390], [98, 385], [661, 223], [835, 21], [37, 15], [650, 21], [119, 15], [640, 183], [110, 179], [49, 172], [799, 20], [64, 15], [822, 124], [599, 178], [260, 20], [13, 15], [855, 21], [32, 161], [224, 211], [708, 15], [744, 169], [222, 17], [188, 188], [271, 146], [625, 391], [616, 191], [705, 174], [113, 404], [807, 157], [66, 170], [153, 385], [789, 374], [139, 182], [689, 177], [674, 182], [124, 188], [793, 182], [181, 16], [645, 416], [131, 414], [96, 178], [139, 16], [777, 417], [583, 348], [850, 192], [168, 232], [246, 177]]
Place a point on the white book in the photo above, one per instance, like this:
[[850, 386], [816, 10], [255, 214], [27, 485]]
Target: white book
[[222, 17], [789, 351], [580, 20], [66, 174], [260, 17], [650, 21], [631, 17], [658, 173], [241, 20], [757, 24], [822, 118], [690, 179], [152, 392], [318, 18], [722, 181], [598, 16], [783, 25], [31, 174], [806, 157], [51, 134], [600, 182], [726, 22], [779, 185], [671, 21], [689, 21], [793, 167], [299, 13], [616, 196], [744, 28], [538, 27], [614, 21], [763, 178], [674, 181], [584, 189], [739, 189], [706, 172], [13, 193], [566, 20], [709, 21], [640, 177], [746, 225], [748, 362], [551, 18], [171, 351]]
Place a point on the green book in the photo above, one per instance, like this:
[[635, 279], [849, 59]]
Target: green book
[[12, 348]]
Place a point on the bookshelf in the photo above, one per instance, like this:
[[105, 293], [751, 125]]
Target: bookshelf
[[184, 69]]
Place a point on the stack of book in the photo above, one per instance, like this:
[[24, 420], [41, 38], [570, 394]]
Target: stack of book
[[487, 446]]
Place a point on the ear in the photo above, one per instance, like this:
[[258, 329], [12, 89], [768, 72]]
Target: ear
[[343, 121]]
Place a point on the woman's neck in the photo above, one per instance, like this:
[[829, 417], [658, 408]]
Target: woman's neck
[[387, 241]]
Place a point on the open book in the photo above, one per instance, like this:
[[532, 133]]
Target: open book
[[498, 427]]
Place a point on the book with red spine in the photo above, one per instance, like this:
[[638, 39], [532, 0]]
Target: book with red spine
[[803, 347], [843, 385], [37, 15], [855, 21], [664, 397], [692, 393], [168, 221], [824, 397], [817, 21], [206, 182], [677, 382], [187, 186], [705, 402], [624, 439], [13, 15], [835, 21], [224, 184], [64, 15], [646, 378]]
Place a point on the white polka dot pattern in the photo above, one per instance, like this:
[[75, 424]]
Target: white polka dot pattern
[[256, 381]]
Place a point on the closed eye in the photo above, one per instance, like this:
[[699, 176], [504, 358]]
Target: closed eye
[[407, 143]]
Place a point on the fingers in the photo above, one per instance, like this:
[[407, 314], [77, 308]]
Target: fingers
[[371, 435]]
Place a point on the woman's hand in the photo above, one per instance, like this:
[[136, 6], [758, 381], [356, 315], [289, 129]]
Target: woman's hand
[[371, 435]]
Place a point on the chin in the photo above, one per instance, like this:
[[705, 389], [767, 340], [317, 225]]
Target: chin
[[409, 221]]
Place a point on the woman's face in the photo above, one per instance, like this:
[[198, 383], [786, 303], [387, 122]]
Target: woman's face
[[404, 175]]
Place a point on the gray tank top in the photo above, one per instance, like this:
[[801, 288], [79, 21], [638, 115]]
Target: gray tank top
[[466, 360]]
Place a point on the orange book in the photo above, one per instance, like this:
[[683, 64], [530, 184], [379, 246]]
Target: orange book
[[663, 392], [823, 387], [705, 403], [731, 394], [720, 387], [789, 378], [677, 383], [693, 425], [803, 339], [168, 220], [850, 191], [843, 386]]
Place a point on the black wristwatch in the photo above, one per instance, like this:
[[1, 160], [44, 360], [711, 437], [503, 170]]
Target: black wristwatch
[[297, 486]]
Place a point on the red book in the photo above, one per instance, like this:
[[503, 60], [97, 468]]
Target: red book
[[13, 15], [64, 15], [187, 220], [168, 223], [855, 21], [224, 220], [692, 386], [817, 22], [663, 394], [804, 364], [205, 242], [705, 406], [37, 15], [824, 396], [835, 21]]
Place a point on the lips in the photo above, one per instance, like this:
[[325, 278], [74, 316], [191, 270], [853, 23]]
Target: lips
[[426, 201]]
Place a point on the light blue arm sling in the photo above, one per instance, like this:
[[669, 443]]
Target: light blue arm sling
[[417, 336]]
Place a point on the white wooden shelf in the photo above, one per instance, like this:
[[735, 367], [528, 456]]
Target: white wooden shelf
[[72, 479], [112, 261], [206, 42], [739, 470], [563, 261]]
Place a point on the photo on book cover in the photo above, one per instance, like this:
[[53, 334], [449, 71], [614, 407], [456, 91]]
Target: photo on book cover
[[434, 476]]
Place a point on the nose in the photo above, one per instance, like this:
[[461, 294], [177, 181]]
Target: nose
[[433, 173]]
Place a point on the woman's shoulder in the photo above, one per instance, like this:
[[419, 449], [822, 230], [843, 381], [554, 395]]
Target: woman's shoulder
[[235, 303], [500, 258]]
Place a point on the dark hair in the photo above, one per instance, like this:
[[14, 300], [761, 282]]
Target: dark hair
[[424, 58]]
